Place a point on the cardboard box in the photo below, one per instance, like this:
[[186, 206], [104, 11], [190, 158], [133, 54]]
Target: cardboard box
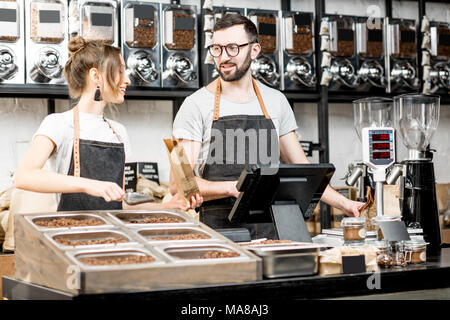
[[443, 196], [6, 267], [148, 169], [446, 236]]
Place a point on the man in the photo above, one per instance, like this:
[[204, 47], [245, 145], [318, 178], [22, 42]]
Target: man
[[236, 103]]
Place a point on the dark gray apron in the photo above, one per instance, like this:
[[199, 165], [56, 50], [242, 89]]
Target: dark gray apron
[[96, 160], [215, 213]]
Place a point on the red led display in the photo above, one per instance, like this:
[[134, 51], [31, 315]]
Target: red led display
[[381, 146], [381, 155], [380, 137]]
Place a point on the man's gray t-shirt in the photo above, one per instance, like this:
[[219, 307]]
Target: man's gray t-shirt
[[194, 119]]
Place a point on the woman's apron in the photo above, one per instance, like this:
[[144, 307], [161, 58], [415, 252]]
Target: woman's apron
[[96, 160], [215, 213]]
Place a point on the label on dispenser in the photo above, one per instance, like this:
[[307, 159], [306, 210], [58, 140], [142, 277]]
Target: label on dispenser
[[144, 12], [9, 28], [375, 35], [8, 15], [49, 16], [184, 23], [101, 19], [267, 29], [408, 36]]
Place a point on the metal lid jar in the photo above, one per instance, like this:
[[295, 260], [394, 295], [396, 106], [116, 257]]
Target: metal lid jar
[[416, 251], [354, 229]]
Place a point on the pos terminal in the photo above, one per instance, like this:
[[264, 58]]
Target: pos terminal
[[284, 195]]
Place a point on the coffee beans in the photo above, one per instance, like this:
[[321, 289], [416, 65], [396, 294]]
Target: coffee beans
[[116, 260], [40, 34], [407, 48], [268, 42], [219, 254], [155, 220], [182, 39], [443, 49], [302, 40], [144, 34], [181, 237], [68, 222], [69, 242]]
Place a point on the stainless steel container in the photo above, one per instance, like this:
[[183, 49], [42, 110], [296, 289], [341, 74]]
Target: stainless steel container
[[342, 48], [100, 221], [287, 260], [151, 218], [201, 253], [179, 48], [86, 239], [401, 56], [98, 20], [266, 67], [370, 49], [141, 42], [12, 42], [46, 41], [161, 235], [297, 45], [438, 58], [102, 256]]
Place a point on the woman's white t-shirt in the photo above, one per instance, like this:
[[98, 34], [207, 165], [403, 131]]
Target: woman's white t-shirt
[[59, 128]]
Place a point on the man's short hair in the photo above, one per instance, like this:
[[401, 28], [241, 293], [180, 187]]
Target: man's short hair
[[233, 19]]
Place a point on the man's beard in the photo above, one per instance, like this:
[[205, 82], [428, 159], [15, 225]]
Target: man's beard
[[239, 73]]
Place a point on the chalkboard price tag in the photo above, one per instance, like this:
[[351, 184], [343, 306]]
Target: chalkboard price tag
[[353, 264]]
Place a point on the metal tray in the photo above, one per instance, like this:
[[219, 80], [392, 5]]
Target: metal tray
[[193, 252], [165, 232], [86, 235], [141, 215], [77, 216], [99, 253], [287, 261]]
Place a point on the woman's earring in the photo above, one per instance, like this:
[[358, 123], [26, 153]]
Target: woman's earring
[[97, 96]]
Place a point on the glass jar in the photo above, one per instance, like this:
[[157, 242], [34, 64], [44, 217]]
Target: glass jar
[[399, 254], [415, 251], [384, 258], [375, 221], [354, 230]]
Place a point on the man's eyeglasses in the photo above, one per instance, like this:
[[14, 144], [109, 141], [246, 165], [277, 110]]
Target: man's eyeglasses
[[232, 49]]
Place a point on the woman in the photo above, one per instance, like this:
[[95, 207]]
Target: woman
[[86, 151]]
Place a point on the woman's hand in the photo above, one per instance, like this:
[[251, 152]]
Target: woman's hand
[[109, 191], [179, 202]]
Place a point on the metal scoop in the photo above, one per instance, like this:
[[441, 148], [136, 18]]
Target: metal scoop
[[133, 198]]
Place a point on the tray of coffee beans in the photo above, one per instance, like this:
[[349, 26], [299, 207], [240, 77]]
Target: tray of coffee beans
[[89, 238], [201, 252], [160, 235], [114, 257], [150, 218], [68, 221]]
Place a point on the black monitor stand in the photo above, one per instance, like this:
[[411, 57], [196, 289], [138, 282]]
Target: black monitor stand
[[285, 196]]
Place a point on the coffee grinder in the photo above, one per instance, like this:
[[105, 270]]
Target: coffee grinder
[[416, 118], [372, 115]]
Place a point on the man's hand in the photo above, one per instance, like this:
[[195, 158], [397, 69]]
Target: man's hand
[[352, 208], [179, 202]]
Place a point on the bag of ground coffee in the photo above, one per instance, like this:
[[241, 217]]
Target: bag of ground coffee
[[181, 168], [369, 210]]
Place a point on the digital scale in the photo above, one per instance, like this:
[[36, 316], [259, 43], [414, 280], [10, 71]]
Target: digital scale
[[378, 150]]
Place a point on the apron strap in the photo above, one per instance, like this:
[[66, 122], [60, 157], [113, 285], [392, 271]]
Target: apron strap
[[219, 91], [76, 141]]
